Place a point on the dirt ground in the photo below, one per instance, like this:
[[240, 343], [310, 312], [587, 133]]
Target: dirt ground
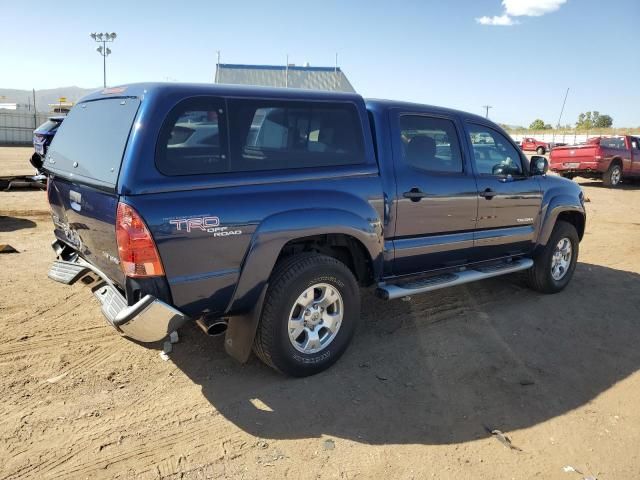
[[410, 399]]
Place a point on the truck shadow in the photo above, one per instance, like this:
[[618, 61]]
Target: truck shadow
[[438, 368], [11, 224]]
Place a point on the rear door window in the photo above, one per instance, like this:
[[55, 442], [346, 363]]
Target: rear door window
[[280, 135], [89, 144], [614, 142], [193, 140], [430, 144]]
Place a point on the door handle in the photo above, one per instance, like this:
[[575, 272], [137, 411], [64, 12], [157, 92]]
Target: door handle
[[488, 194], [415, 194]]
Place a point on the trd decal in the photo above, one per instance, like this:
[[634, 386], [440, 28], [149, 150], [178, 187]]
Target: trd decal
[[205, 224]]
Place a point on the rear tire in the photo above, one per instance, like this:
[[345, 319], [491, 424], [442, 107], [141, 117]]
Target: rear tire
[[613, 176], [552, 270], [541, 150], [307, 279]]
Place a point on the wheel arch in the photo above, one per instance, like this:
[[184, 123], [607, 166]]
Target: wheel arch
[[574, 218], [566, 208], [341, 246], [342, 234], [616, 161]]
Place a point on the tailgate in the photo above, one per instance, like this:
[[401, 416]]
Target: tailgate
[[84, 162], [84, 218], [573, 154]]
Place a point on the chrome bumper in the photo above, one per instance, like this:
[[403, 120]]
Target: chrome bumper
[[148, 320]]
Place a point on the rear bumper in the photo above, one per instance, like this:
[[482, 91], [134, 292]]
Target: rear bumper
[[147, 320]]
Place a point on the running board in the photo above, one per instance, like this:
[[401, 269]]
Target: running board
[[392, 291]]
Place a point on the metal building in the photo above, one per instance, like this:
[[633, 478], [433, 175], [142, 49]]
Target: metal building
[[284, 76]]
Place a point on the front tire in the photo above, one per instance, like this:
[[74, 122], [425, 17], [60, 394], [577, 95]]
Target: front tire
[[309, 314], [613, 176], [554, 266]]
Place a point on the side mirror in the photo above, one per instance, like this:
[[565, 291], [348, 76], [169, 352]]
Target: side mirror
[[539, 165]]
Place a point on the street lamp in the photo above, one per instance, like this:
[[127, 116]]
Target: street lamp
[[104, 50]]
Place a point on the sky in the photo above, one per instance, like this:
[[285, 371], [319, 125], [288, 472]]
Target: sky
[[519, 56]]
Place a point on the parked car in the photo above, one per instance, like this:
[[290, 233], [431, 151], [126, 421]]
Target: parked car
[[608, 158], [42, 137], [531, 144], [267, 231]]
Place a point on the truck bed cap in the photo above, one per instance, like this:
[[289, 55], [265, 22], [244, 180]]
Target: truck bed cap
[[141, 89]]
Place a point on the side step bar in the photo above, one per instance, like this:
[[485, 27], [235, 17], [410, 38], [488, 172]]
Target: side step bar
[[392, 291]]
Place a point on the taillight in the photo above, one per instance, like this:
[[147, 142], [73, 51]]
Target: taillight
[[136, 248], [598, 155]]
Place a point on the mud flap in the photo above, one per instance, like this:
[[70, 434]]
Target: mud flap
[[242, 330]]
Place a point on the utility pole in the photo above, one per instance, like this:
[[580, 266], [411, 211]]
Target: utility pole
[[486, 110], [286, 73], [104, 50], [215, 80], [35, 110]]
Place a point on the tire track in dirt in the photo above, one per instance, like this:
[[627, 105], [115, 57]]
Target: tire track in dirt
[[32, 469], [96, 357], [199, 435], [61, 302], [147, 455], [32, 348]]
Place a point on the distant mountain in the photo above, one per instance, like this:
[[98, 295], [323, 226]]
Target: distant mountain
[[44, 97]]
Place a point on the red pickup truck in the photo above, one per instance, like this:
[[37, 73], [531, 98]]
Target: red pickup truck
[[531, 144], [608, 158]]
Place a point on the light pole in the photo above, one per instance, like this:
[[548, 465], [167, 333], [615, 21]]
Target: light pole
[[486, 110], [104, 50]]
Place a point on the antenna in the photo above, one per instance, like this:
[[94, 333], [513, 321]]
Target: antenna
[[486, 110], [562, 109]]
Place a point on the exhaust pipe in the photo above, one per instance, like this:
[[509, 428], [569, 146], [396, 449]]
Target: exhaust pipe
[[213, 327]]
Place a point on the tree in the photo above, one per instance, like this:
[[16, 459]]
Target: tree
[[585, 121], [603, 121], [538, 124], [589, 120]]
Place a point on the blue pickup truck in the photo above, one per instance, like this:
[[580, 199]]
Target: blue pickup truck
[[260, 213]]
